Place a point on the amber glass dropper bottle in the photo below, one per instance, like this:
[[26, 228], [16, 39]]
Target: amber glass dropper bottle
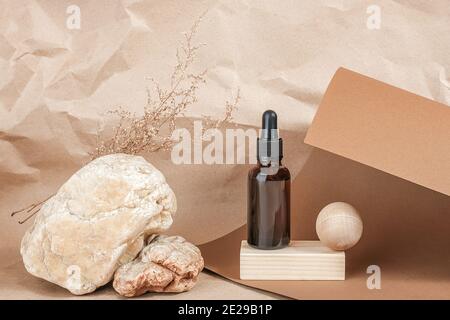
[[268, 206]]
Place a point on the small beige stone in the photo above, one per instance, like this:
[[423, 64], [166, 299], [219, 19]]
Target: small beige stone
[[97, 221], [166, 264]]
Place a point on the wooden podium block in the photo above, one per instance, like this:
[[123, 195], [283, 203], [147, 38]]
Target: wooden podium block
[[301, 260]]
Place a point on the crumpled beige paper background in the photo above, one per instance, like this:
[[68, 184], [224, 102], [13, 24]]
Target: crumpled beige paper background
[[56, 84]]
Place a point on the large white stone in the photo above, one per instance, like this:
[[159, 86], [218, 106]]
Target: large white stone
[[97, 221]]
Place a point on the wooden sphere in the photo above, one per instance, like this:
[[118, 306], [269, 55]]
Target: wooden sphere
[[339, 226]]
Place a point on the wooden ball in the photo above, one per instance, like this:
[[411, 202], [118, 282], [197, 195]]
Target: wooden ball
[[339, 226]]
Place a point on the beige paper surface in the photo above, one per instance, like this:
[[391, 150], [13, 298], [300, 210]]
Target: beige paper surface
[[56, 84]]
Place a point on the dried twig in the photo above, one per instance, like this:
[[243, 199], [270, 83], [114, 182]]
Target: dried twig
[[33, 208]]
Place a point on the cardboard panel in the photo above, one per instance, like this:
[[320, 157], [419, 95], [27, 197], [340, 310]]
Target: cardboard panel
[[385, 127]]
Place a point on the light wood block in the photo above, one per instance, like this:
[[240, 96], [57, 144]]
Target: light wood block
[[301, 260]]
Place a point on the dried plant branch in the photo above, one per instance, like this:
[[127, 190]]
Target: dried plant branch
[[230, 108], [152, 131]]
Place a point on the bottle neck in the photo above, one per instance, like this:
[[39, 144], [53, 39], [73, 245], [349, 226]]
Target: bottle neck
[[269, 152], [276, 164]]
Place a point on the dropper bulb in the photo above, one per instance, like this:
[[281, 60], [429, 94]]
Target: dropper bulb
[[269, 125], [269, 145], [269, 120]]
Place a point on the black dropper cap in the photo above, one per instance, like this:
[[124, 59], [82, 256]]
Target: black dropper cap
[[270, 146]]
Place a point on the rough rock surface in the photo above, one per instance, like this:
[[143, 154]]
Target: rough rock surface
[[166, 264], [97, 221]]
